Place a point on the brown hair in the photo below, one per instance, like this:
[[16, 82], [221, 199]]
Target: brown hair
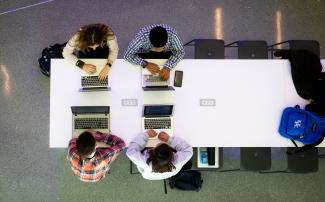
[[93, 34], [85, 144], [161, 158]]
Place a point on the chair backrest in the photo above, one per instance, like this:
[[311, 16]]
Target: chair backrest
[[252, 50], [255, 158], [303, 162], [310, 45], [209, 49]]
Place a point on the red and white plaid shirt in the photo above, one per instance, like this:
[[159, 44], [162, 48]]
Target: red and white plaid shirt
[[94, 169]]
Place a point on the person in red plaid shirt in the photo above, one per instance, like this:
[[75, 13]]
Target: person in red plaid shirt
[[88, 163]]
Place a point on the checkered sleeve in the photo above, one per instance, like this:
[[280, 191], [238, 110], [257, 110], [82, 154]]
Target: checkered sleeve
[[72, 150], [116, 146], [130, 54], [177, 49]]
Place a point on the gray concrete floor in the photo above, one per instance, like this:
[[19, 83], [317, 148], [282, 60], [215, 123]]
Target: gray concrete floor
[[29, 170]]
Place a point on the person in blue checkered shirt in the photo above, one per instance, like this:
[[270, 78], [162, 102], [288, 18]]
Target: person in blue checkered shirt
[[157, 41]]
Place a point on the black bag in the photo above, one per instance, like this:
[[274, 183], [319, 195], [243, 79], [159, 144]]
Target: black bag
[[54, 51], [188, 180], [306, 70], [320, 91], [316, 108]]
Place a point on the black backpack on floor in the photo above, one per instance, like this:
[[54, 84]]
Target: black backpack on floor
[[54, 51], [188, 180]]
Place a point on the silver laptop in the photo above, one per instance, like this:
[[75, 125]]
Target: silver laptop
[[90, 82], [158, 118], [90, 117], [152, 82]]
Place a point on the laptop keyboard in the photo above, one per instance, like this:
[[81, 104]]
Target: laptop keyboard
[[154, 79], [91, 123], [93, 81], [157, 123]]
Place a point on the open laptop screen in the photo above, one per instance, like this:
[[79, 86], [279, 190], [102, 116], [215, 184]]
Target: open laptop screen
[[90, 109], [158, 110]]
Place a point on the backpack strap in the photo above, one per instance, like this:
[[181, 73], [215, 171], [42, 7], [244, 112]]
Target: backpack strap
[[294, 142], [308, 146]]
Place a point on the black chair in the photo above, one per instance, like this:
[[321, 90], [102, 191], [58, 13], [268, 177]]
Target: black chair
[[301, 162], [208, 48], [253, 159], [250, 49], [131, 168], [310, 45]]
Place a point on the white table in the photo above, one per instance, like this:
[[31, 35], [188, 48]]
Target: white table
[[250, 96]]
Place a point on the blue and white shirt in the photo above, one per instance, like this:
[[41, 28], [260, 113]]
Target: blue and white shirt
[[141, 44]]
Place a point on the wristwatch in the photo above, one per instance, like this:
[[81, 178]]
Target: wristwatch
[[145, 63], [80, 64], [109, 64]]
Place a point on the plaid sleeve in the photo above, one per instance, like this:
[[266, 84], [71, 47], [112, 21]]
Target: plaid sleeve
[[116, 146], [177, 49], [72, 150], [130, 54]]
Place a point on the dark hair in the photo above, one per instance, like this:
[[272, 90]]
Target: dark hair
[[85, 144], [161, 158], [93, 34], [158, 36]]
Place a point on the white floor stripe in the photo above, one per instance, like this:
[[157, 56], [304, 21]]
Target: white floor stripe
[[17, 9]]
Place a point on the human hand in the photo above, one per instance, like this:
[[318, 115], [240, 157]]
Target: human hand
[[90, 69], [103, 74], [152, 68], [151, 133], [163, 136], [164, 74]]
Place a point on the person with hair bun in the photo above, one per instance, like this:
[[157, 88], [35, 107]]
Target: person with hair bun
[[92, 41], [163, 161]]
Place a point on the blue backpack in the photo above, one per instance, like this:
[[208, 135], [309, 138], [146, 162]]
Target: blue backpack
[[303, 126]]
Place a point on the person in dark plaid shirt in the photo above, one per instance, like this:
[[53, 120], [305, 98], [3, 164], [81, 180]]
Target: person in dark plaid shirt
[[88, 163], [156, 41]]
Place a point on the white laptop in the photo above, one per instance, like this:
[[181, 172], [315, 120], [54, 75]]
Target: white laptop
[[158, 118], [90, 117], [90, 82], [152, 82]]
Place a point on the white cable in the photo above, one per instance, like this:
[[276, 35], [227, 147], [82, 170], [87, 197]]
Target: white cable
[[21, 8]]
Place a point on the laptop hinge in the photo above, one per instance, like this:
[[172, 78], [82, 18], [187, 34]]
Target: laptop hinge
[[157, 117]]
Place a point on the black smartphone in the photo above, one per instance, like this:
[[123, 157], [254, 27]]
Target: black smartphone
[[178, 79]]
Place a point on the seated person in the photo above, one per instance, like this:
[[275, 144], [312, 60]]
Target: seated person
[[88, 163], [92, 41], [158, 41], [161, 162]]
